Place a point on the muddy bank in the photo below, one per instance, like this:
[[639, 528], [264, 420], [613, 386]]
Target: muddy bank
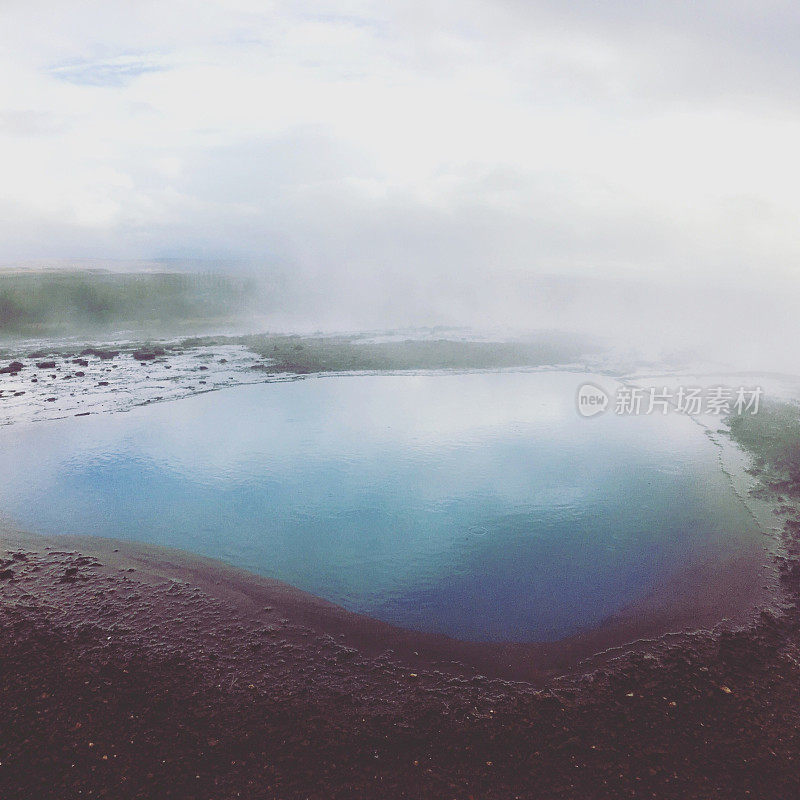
[[730, 596], [136, 672]]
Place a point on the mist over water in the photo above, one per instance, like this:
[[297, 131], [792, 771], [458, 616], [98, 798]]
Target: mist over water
[[748, 325], [734, 324], [626, 172]]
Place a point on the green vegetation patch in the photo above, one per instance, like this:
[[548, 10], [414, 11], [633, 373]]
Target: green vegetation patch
[[351, 353], [61, 302], [772, 436]]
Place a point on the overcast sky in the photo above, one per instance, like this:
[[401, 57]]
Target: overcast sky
[[395, 140]]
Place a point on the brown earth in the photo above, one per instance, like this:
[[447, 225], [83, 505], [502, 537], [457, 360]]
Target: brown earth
[[130, 671]]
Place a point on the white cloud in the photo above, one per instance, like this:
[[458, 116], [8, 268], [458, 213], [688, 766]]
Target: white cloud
[[365, 139]]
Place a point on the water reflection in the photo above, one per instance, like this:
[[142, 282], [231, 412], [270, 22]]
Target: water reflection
[[479, 505]]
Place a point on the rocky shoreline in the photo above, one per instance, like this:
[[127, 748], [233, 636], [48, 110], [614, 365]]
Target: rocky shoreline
[[53, 379], [62, 381]]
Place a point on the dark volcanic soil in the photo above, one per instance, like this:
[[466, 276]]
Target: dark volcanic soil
[[126, 672]]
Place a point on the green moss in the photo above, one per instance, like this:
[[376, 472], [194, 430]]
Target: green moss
[[772, 436], [351, 353]]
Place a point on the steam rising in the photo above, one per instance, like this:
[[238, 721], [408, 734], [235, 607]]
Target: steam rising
[[623, 170]]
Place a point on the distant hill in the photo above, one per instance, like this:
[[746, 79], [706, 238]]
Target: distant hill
[[61, 302]]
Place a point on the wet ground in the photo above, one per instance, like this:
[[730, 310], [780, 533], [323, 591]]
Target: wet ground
[[55, 383], [133, 674]]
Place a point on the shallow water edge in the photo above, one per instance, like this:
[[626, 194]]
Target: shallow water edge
[[728, 598]]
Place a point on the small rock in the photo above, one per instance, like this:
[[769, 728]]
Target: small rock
[[148, 354], [105, 355], [46, 364], [13, 368]]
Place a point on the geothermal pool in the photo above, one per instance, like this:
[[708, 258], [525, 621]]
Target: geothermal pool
[[479, 505]]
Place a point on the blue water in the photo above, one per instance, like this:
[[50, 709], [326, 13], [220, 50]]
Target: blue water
[[478, 505]]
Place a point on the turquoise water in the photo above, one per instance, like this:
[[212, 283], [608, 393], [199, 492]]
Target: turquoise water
[[479, 505]]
